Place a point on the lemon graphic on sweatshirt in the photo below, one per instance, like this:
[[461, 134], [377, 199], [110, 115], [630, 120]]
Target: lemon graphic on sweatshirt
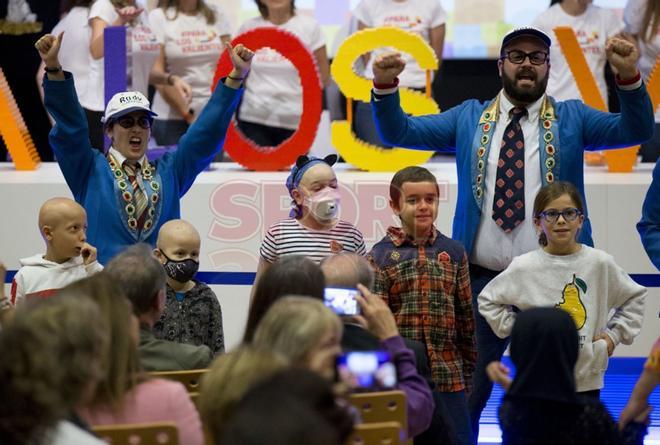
[[572, 303]]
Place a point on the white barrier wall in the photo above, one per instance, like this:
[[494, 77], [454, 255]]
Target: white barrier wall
[[232, 208]]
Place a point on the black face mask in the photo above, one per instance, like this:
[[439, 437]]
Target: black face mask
[[181, 271]]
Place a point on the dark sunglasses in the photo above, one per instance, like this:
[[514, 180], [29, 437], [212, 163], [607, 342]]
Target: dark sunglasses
[[569, 214], [130, 121], [517, 57]]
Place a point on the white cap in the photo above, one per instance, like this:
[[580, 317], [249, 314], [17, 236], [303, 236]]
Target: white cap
[[124, 103]]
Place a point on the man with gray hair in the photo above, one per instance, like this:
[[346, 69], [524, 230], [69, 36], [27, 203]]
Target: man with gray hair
[[143, 280], [376, 329]]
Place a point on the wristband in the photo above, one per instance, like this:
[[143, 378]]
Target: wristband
[[630, 81], [385, 86], [53, 70], [235, 78]]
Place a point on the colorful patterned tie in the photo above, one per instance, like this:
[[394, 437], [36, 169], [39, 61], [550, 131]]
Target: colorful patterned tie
[[509, 200], [139, 196]]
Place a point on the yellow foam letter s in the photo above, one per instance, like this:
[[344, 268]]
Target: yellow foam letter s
[[359, 153]]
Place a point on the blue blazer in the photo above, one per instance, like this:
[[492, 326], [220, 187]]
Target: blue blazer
[[566, 129], [91, 179], [649, 226]]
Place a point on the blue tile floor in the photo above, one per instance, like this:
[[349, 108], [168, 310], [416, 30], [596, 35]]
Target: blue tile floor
[[620, 379]]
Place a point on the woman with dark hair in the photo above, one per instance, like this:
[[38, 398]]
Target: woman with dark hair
[[292, 275], [541, 406]]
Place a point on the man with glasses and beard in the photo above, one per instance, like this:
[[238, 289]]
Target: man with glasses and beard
[[506, 150]]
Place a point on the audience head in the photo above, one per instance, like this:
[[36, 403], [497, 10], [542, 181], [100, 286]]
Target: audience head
[[63, 225], [120, 356], [143, 280], [558, 216], [524, 65], [544, 349], [312, 185], [313, 416], [347, 270], [304, 331], [51, 362], [264, 7], [177, 249], [291, 275], [230, 377], [414, 196], [127, 122]]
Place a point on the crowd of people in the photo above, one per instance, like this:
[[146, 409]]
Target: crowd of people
[[116, 291]]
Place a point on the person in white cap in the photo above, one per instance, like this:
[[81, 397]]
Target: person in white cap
[[128, 198], [506, 150]]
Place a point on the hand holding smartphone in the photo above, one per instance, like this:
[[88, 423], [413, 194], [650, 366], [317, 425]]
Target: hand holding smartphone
[[367, 370], [342, 300]]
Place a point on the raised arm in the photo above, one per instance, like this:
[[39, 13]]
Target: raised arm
[[635, 124], [435, 132], [206, 135], [70, 135]]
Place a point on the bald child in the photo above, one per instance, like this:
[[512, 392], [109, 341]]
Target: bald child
[[68, 257], [192, 312]]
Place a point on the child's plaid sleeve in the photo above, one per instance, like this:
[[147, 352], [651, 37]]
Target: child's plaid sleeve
[[465, 325]]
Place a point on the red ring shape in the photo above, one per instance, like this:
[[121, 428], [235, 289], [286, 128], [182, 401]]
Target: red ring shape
[[245, 151]]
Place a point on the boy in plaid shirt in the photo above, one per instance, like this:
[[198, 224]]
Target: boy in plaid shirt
[[424, 278]]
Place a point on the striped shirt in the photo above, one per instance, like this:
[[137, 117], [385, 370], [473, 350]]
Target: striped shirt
[[289, 237]]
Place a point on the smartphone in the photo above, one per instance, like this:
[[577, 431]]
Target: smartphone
[[367, 370], [342, 300]]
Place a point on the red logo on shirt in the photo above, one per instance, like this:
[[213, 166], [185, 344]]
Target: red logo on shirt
[[444, 257], [335, 246]]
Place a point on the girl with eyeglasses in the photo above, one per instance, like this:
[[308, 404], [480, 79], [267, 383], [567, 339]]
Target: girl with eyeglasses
[[563, 273]]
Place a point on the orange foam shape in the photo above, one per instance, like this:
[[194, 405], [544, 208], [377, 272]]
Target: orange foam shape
[[622, 160], [14, 131]]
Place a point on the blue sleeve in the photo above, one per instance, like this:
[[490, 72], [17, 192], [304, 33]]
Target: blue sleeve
[[435, 132], [203, 140], [69, 138], [635, 123], [649, 226]]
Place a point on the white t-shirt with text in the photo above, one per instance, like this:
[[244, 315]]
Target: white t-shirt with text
[[74, 53], [192, 49], [273, 94], [417, 16], [142, 49], [592, 29]]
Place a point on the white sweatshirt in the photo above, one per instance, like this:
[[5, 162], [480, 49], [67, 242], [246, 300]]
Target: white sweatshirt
[[40, 278], [588, 284]]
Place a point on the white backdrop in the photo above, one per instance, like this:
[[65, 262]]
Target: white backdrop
[[232, 208]]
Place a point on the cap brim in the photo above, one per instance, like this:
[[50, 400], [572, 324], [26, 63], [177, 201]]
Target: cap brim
[[127, 111], [527, 32]]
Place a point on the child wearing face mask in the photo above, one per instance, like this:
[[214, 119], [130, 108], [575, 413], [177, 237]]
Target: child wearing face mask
[[605, 303], [192, 312], [314, 229]]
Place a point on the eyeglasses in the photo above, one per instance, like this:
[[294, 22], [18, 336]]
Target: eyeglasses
[[569, 214], [130, 121], [535, 57]]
